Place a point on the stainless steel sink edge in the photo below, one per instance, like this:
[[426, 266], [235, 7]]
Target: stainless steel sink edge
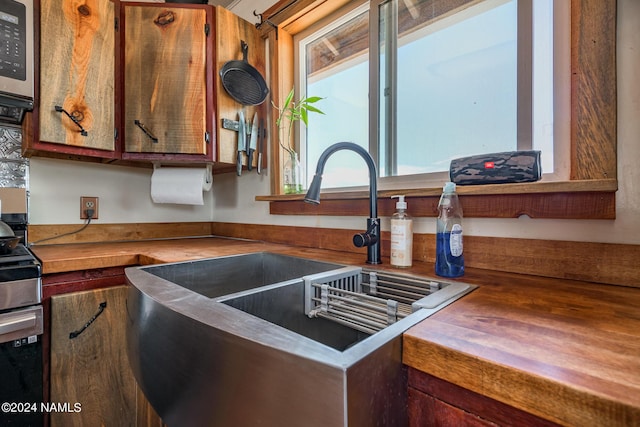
[[213, 313], [209, 374], [285, 340], [247, 354], [257, 290]]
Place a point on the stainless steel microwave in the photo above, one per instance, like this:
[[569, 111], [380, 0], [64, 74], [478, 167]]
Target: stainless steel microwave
[[16, 59]]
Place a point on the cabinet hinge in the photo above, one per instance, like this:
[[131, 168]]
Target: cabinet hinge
[[207, 139], [115, 134], [207, 29], [115, 23]]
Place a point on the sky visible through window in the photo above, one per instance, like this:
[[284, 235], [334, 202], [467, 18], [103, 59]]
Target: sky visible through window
[[456, 96]]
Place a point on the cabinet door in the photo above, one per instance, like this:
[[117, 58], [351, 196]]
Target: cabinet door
[[77, 75], [91, 369], [230, 30], [165, 85]]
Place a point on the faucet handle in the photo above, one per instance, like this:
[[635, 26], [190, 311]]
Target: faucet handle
[[361, 240], [369, 237]]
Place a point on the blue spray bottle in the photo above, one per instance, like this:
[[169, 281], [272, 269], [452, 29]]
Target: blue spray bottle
[[449, 256]]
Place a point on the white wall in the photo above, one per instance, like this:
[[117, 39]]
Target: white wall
[[124, 192]]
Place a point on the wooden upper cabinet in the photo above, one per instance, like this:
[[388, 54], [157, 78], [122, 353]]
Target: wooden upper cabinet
[[75, 113], [167, 88], [138, 82]]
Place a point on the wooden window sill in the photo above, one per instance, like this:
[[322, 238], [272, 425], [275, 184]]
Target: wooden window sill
[[579, 199]]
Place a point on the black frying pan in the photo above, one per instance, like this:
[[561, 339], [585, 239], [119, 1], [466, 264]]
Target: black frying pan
[[242, 81]]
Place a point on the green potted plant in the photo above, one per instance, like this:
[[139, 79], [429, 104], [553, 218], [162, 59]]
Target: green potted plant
[[290, 112]]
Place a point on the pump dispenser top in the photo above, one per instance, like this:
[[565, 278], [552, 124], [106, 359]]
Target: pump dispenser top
[[400, 204]]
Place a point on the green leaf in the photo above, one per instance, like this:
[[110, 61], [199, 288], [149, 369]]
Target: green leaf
[[291, 111], [313, 99], [287, 101], [314, 109]]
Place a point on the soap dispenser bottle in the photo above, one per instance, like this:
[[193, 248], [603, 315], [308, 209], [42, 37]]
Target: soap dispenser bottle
[[449, 256], [401, 235]]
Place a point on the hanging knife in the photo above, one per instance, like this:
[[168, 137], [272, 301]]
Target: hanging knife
[[242, 142], [253, 143], [260, 143]]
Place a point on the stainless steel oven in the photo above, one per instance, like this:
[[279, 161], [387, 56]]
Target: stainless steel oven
[[16, 59], [21, 328]]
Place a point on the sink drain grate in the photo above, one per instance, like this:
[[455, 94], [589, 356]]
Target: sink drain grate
[[367, 306], [402, 288]]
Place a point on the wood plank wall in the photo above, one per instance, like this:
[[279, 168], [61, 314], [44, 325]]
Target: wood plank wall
[[594, 262], [609, 263]]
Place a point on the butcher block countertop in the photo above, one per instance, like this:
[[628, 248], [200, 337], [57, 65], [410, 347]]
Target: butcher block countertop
[[567, 351]]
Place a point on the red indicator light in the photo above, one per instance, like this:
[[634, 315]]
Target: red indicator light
[[489, 165]]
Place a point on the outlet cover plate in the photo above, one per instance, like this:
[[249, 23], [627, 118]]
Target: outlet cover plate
[[88, 203]]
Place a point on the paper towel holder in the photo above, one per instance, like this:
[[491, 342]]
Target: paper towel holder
[[208, 177]]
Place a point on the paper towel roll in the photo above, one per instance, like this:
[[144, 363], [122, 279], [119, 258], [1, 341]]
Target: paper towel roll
[[180, 185]]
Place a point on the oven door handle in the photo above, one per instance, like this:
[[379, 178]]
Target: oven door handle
[[13, 323]]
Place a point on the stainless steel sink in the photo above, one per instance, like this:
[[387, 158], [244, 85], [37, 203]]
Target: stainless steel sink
[[283, 305], [215, 277], [216, 348]]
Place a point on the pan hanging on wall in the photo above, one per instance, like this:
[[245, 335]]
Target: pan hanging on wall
[[242, 81]]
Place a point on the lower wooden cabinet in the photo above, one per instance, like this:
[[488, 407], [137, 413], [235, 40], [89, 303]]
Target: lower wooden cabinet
[[89, 369], [433, 402]]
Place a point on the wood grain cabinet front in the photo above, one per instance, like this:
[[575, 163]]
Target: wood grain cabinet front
[[89, 368], [138, 82], [167, 64], [76, 109]]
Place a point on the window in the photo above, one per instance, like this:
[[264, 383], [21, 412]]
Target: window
[[448, 87], [588, 132], [335, 66]]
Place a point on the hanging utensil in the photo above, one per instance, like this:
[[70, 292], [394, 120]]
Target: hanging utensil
[[253, 141], [243, 82], [261, 136], [242, 142]]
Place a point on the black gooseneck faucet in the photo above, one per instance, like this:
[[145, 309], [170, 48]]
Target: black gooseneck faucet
[[371, 237]]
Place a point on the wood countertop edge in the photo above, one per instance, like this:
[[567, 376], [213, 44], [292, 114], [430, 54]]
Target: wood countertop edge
[[558, 349], [66, 265], [560, 402], [86, 256], [567, 403]]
